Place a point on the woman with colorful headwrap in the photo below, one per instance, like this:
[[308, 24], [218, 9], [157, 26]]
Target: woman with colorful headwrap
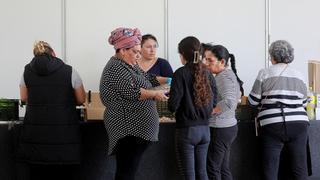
[[131, 117]]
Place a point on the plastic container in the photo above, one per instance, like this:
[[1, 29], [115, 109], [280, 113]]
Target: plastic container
[[9, 109], [311, 104]]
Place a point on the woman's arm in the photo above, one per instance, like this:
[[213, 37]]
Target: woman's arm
[[77, 85], [255, 95], [80, 95], [23, 93], [153, 94], [176, 92], [228, 90]]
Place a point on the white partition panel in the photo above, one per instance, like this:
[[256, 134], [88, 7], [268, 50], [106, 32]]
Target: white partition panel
[[22, 23], [298, 23], [238, 25], [89, 24]]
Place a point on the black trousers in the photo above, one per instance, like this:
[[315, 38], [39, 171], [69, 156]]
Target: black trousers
[[128, 155], [219, 152], [273, 139]]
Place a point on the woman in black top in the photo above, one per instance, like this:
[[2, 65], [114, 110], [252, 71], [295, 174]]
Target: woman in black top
[[50, 135], [192, 98]]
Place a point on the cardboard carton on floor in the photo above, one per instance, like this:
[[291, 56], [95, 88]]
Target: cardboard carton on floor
[[94, 109]]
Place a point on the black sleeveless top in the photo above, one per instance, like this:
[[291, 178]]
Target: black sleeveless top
[[50, 133]]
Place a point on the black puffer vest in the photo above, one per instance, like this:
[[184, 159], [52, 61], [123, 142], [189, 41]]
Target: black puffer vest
[[50, 133]]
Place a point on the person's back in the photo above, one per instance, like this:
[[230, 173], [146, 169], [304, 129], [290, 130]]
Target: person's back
[[187, 113], [281, 91], [192, 97], [50, 133]]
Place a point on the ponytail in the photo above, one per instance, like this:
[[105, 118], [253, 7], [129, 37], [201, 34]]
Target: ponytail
[[190, 49], [202, 89], [42, 48], [233, 67]]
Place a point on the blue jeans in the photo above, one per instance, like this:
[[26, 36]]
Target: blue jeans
[[191, 149]]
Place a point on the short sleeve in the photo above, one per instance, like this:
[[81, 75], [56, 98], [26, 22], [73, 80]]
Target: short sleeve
[[76, 79], [166, 69], [22, 82]]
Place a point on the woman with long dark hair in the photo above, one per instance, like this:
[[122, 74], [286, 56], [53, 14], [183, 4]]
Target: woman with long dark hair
[[192, 98]]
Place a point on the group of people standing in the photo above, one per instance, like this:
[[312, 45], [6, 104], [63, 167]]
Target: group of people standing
[[201, 112], [204, 105]]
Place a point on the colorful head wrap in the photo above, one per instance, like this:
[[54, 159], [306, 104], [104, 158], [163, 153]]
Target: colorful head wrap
[[125, 38]]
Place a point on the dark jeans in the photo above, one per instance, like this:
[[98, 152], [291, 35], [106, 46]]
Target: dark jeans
[[191, 148], [289, 135], [128, 155], [219, 152]]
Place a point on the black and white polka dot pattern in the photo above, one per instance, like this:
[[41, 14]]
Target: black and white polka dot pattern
[[125, 114]]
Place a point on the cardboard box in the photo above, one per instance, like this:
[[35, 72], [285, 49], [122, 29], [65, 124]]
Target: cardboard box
[[314, 75], [94, 109]]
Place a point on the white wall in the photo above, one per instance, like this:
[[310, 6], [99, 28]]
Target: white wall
[[89, 24], [239, 25], [22, 23], [297, 22]]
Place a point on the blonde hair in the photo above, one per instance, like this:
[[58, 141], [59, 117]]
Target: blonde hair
[[42, 48]]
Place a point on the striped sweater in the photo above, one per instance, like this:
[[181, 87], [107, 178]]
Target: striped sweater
[[288, 91], [227, 99]]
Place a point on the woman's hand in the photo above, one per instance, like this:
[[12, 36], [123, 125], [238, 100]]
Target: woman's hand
[[216, 110], [160, 95]]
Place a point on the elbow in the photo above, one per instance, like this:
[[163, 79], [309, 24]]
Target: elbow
[[80, 95], [24, 99], [81, 98], [80, 101]]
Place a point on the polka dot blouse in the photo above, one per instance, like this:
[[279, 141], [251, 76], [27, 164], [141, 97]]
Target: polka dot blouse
[[125, 114]]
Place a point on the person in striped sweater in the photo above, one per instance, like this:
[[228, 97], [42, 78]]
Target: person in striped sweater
[[280, 93], [223, 124]]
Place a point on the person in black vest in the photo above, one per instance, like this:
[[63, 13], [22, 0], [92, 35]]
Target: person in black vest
[[50, 135]]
